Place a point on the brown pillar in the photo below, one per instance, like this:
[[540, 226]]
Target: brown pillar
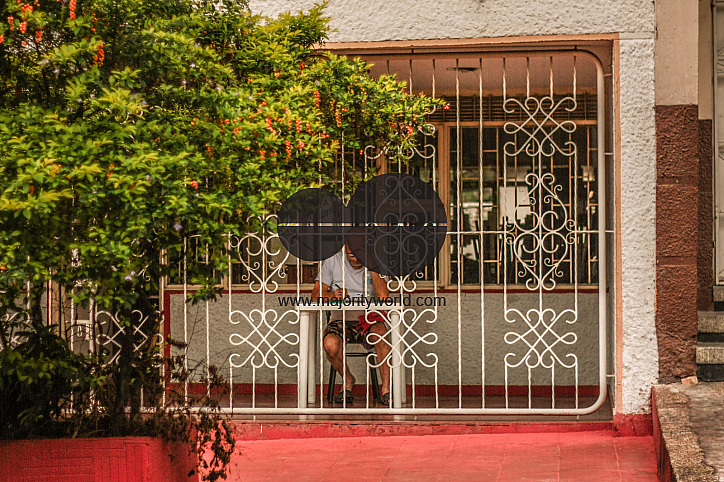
[[706, 219], [677, 238]]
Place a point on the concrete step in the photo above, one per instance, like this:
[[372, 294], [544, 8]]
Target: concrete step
[[710, 373], [718, 293], [711, 322], [709, 353]]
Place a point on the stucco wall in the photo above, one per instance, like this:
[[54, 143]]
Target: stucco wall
[[677, 52], [638, 226], [444, 347], [369, 21]]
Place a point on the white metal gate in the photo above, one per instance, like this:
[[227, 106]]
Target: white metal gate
[[511, 318]]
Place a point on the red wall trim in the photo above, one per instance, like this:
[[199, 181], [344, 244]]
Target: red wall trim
[[633, 425], [274, 430]]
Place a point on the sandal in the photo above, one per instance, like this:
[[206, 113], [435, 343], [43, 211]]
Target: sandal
[[344, 394], [385, 399]]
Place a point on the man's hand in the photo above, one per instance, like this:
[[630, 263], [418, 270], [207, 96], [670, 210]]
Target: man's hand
[[321, 290], [380, 285], [340, 293]]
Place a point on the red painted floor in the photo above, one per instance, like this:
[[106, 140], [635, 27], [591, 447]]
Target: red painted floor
[[582, 456]]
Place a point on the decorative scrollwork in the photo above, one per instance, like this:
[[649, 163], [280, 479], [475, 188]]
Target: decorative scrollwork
[[540, 246], [539, 126], [409, 339], [264, 265], [410, 348], [543, 244], [109, 342], [263, 340], [540, 338], [542, 239], [263, 260], [16, 323]]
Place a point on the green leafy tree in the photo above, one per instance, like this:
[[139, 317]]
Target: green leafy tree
[[126, 126]]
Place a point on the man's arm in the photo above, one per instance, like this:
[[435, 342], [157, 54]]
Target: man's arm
[[321, 290], [316, 290], [380, 286]]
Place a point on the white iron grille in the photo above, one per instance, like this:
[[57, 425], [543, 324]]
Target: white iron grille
[[518, 316]]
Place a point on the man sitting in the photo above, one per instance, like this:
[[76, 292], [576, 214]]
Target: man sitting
[[358, 324]]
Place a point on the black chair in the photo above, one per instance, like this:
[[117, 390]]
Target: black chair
[[355, 354]]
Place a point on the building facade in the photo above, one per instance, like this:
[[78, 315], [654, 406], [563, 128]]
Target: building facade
[[576, 157]]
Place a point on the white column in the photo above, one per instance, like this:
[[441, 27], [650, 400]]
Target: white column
[[396, 368], [303, 359], [311, 359]]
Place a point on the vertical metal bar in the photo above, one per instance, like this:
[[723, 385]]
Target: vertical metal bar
[[208, 342], [50, 302], [433, 78], [572, 205], [344, 288], [436, 270], [505, 234], [302, 378], [73, 326], [162, 306], [497, 195], [602, 281], [186, 324], [229, 277], [553, 365], [541, 251], [91, 326], [574, 265], [553, 385], [481, 226], [319, 313], [458, 227], [588, 205], [321, 356], [231, 387], [550, 65], [309, 356], [413, 386], [504, 84], [530, 391]]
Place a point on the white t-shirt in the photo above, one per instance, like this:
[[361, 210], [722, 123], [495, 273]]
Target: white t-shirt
[[331, 275]]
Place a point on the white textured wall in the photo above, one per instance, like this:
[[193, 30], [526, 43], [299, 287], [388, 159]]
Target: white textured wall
[[677, 52], [375, 20], [638, 223], [445, 349]]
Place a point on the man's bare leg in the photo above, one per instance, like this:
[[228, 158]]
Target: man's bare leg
[[333, 347], [382, 349]]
